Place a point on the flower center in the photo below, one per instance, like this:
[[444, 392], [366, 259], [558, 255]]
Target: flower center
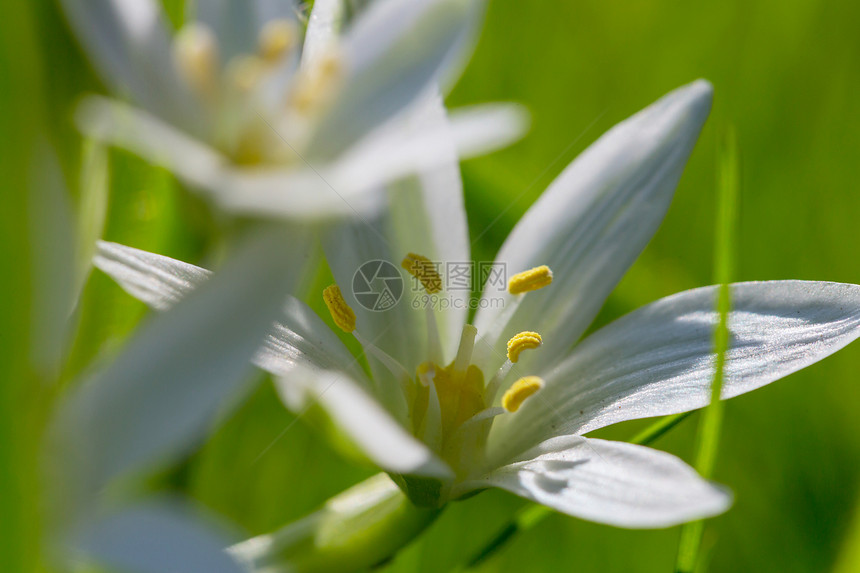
[[450, 407], [266, 81]]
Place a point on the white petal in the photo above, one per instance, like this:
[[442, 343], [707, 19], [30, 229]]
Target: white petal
[[659, 359], [424, 216], [367, 423], [394, 52], [361, 252], [350, 186], [130, 46], [619, 484], [592, 223], [428, 216], [323, 28], [418, 141], [298, 334], [155, 538], [156, 398], [343, 188], [157, 280], [138, 131]]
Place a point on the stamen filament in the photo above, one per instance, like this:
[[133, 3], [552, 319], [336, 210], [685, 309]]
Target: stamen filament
[[390, 363], [432, 433], [493, 385], [482, 416], [464, 352], [434, 346]]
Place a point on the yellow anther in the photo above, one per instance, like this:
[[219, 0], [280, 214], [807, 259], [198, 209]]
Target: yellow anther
[[520, 391], [424, 270], [341, 313], [277, 38], [317, 85], [530, 280], [245, 72], [196, 56], [520, 342]]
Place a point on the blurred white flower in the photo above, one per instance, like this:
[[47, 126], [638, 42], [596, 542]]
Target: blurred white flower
[[151, 405], [451, 408], [243, 108]]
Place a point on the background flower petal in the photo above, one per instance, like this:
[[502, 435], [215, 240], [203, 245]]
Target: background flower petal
[[154, 538], [298, 335], [156, 398], [394, 51], [130, 47]]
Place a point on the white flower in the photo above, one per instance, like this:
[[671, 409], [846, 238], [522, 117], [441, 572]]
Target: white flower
[[149, 406], [242, 109], [452, 408]]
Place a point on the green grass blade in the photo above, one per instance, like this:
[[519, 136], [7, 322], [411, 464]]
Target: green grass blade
[[712, 418]]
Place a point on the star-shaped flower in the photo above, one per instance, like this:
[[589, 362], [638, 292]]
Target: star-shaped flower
[[267, 119], [450, 408]]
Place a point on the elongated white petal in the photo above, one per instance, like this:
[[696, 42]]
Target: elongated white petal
[[350, 186], [298, 347], [157, 280], [423, 140], [155, 399], [429, 217], [659, 359], [130, 46], [123, 125], [366, 265], [609, 482], [367, 423], [593, 221], [343, 188], [323, 28], [297, 335], [394, 52], [155, 538]]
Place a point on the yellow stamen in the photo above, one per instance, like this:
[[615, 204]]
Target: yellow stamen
[[520, 391], [317, 85], [245, 72], [196, 56], [532, 279], [520, 342], [276, 39], [424, 270], [341, 313]]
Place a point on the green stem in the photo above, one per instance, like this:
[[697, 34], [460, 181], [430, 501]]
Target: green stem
[[359, 528], [690, 543]]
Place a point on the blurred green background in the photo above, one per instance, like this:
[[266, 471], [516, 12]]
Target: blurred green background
[[786, 76]]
